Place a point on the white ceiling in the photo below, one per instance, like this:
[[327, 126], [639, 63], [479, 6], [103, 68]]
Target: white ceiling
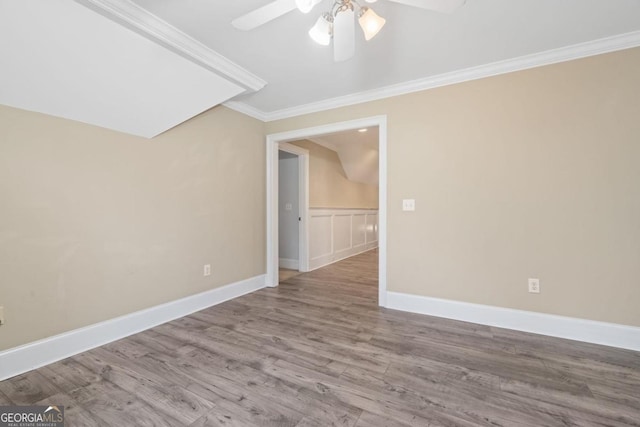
[[413, 45], [63, 59], [144, 66]]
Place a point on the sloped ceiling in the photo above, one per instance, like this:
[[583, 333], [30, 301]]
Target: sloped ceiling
[[61, 58], [358, 153]]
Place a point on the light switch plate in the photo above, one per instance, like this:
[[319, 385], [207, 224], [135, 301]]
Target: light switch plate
[[408, 204]]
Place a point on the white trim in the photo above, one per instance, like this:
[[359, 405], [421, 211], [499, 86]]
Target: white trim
[[610, 334], [272, 142], [342, 211], [291, 264], [293, 149], [303, 202], [149, 25], [553, 56], [382, 213], [246, 109], [18, 360], [338, 255], [329, 259]]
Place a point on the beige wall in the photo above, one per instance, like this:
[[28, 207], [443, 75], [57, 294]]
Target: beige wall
[[329, 186], [95, 224], [529, 174]]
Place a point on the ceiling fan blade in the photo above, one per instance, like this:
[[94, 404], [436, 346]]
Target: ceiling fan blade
[[445, 6], [344, 36], [264, 14]]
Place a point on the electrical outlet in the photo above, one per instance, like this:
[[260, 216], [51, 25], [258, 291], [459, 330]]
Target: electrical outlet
[[408, 204], [207, 270], [534, 286], [1, 315]]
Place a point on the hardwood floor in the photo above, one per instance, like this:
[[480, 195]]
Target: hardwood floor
[[286, 274], [318, 351]]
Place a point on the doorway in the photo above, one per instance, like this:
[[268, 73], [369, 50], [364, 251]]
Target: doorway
[[274, 142], [293, 201]]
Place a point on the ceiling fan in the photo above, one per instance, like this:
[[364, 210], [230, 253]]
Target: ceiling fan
[[338, 23]]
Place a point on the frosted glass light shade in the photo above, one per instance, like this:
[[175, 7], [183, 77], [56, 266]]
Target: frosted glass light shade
[[305, 6], [321, 31], [370, 23]]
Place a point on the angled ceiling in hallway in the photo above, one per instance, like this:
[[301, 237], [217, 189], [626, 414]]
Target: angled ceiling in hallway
[[358, 152]]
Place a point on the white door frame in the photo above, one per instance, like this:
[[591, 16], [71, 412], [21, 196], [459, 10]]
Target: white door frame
[[273, 141], [303, 201]]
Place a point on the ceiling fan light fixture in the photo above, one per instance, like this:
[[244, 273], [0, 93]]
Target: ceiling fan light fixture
[[322, 31], [305, 6], [370, 22]]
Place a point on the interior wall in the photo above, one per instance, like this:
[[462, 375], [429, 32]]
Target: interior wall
[[95, 224], [329, 186], [288, 197], [528, 174]]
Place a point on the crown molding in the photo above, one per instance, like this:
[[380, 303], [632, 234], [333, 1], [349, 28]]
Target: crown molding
[[568, 53], [150, 26], [247, 110]]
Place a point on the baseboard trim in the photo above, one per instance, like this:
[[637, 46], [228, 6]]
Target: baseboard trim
[[329, 259], [291, 264], [18, 360], [610, 334]]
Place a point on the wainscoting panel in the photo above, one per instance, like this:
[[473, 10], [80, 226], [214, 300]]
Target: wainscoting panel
[[320, 244], [372, 228], [359, 230], [336, 234], [341, 233]]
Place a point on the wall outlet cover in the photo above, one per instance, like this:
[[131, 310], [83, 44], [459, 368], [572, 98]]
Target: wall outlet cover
[[534, 286], [408, 204]]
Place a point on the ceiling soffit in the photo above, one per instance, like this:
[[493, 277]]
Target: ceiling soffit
[[149, 25]]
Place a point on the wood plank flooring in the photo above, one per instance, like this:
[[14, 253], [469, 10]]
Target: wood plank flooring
[[286, 274], [318, 351]]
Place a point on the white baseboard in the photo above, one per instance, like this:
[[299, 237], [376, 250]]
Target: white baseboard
[[603, 333], [325, 260], [31, 356], [291, 264]]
